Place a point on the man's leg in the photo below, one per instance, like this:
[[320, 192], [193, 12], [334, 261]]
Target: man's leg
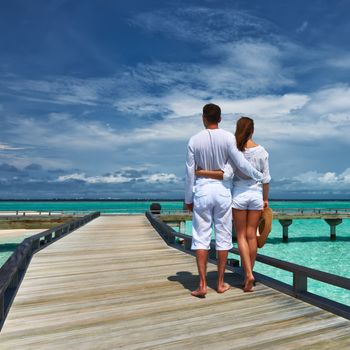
[[202, 258], [223, 235], [201, 235], [222, 287]]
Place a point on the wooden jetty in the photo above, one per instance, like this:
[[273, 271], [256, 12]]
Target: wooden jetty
[[114, 283]]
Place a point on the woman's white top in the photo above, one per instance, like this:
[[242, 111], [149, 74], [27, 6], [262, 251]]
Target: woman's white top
[[259, 159]]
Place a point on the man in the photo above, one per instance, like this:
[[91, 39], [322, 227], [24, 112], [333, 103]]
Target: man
[[209, 199]]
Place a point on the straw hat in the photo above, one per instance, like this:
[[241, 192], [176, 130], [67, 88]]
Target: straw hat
[[264, 226]]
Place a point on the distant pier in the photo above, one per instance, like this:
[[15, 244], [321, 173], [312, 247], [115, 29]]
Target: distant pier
[[333, 217]]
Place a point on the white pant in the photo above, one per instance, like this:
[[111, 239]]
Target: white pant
[[212, 206]]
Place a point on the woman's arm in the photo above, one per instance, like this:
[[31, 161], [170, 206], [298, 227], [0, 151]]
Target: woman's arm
[[267, 179], [212, 174], [266, 188]]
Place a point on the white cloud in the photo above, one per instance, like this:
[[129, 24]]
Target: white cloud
[[266, 106], [339, 60], [331, 178], [119, 178], [202, 24], [302, 27], [62, 90], [6, 147], [330, 100], [162, 177], [93, 179], [286, 117]]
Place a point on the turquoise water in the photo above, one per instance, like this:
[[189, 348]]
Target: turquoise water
[[308, 245], [7, 246], [77, 206]]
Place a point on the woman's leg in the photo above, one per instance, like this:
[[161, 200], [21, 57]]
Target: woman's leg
[[253, 218], [240, 219]]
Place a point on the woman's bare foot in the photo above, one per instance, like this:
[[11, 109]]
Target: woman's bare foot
[[243, 284], [199, 292], [223, 288], [249, 283]]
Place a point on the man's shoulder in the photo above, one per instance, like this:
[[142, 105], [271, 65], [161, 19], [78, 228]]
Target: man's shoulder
[[226, 133], [219, 134], [197, 136], [199, 133]]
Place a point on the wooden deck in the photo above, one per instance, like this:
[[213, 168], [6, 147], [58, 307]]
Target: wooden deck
[[114, 283]]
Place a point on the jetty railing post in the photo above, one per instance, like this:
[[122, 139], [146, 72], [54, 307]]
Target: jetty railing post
[[332, 224], [14, 281], [285, 224], [234, 233], [2, 308], [212, 253], [299, 283], [170, 238], [187, 244]]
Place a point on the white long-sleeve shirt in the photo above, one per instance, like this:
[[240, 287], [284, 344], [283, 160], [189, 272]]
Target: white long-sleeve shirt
[[212, 149], [259, 159]]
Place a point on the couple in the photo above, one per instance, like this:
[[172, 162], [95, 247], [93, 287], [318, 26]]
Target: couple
[[216, 161]]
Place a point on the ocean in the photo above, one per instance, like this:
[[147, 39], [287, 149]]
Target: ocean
[[309, 244]]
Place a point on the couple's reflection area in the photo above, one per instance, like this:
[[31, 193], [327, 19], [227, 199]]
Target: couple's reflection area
[[190, 281]]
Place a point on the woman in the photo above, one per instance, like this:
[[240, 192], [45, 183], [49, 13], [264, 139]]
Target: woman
[[248, 197]]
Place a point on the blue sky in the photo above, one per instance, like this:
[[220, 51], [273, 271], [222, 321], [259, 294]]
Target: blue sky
[[99, 98]]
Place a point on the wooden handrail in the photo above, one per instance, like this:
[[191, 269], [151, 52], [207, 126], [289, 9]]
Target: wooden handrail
[[12, 272], [299, 289]]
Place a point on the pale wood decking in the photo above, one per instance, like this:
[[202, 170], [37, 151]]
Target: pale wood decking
[[115, 284]]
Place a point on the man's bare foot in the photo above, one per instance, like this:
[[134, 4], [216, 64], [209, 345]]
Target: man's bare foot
[[249, 283], [223, 288], [199, 292]]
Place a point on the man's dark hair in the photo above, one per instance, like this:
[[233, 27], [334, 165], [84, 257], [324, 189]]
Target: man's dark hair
[[212, 113]]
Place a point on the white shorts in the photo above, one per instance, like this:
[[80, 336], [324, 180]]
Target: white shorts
[[245, 199], [212, 207]]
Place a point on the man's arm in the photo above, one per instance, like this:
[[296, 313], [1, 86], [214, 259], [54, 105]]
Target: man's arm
[[189, 181], [212, 174], [242, 164]]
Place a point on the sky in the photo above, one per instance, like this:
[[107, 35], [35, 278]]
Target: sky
[[99, 98]]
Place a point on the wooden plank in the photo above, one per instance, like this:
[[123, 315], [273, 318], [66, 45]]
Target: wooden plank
[[115, 284]]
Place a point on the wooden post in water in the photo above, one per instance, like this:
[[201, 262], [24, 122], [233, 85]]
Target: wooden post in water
[[234, 234], [182, 227], [285, 224], [332, 224]]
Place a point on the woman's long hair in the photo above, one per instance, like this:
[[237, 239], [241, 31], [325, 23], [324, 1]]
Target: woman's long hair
[[244, 131]]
